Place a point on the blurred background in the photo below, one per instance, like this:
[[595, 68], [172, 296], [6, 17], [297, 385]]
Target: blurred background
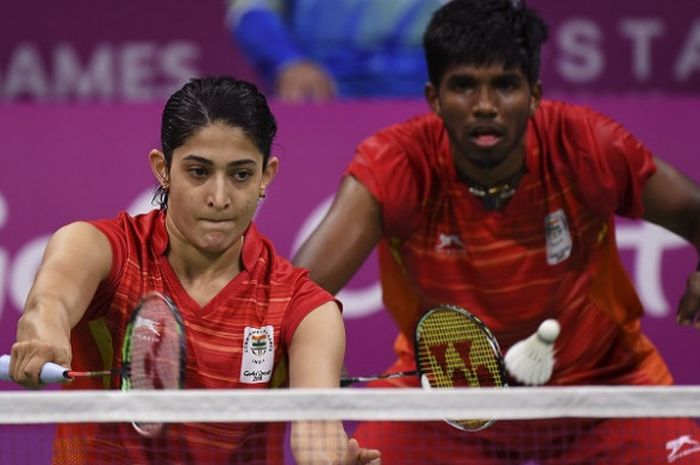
[[82, 84]]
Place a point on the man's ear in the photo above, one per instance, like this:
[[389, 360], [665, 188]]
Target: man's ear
[[431, 95], [159, 167]]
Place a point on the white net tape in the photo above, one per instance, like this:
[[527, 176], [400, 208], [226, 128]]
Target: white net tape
[[23, 407]]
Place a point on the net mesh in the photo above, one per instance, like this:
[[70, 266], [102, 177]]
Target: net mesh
[[586, 425]]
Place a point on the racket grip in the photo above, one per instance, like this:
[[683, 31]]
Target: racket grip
[[53, 373], [50, 373], [5, 368]]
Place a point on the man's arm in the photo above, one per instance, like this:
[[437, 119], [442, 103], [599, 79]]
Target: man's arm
[[346, 236], [672, 201], [263, 34], [77, 258], [259, 28]]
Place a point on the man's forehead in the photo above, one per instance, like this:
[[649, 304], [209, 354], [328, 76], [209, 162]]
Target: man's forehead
[[493, 69]]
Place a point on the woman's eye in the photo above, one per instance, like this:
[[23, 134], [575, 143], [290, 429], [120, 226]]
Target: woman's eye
[[242, 175], [198, 172]]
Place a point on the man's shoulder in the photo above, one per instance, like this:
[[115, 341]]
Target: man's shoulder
[[554, 112], [414, 126], [260, 256], [416, 138]]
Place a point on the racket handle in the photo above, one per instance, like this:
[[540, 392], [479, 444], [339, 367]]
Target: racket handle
[[348, 381], [53, 373], [50, 373], [5, 368]]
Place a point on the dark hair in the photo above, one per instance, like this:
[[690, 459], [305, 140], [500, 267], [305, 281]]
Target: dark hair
[[204, 101], [484, 33]]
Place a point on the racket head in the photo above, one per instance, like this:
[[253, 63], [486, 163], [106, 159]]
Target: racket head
[[154, 350], [455, 349]]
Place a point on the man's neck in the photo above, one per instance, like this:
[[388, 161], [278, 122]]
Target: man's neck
[[494, 185], [471, 174]]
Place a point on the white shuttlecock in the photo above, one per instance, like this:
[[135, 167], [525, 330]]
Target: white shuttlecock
[[531, 360]]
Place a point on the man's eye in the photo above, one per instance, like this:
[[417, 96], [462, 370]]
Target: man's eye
[[462, 86], [507, 85]]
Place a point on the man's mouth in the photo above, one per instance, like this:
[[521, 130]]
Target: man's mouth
[[486, 140], [485, 137]]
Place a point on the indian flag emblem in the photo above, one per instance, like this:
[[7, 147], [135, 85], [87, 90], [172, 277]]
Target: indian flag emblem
[[258, 344], [258, 354]]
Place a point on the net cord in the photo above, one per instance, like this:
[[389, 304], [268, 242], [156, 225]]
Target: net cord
[[35, 407]]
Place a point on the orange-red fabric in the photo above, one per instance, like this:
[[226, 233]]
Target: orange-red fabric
[[568, 441], [442, 246], [269, 291]]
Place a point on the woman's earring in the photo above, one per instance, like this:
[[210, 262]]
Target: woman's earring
[[262, 194]]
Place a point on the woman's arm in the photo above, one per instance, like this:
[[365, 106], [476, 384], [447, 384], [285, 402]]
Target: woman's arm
[[315, 360], [78, 257]]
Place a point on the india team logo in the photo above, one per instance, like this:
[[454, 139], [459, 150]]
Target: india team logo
[[258, 354], [259, 343], [559, 242]]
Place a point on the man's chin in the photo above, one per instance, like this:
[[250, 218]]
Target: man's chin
[[487, 162]]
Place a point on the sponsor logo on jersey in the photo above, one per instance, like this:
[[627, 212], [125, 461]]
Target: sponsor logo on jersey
[[449, 243], [681, 446]]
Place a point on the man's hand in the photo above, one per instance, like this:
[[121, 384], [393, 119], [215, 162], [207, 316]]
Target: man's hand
[[305, 81], [689, 307]]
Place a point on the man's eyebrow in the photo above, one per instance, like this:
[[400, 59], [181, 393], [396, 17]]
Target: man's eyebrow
[[511, 75]]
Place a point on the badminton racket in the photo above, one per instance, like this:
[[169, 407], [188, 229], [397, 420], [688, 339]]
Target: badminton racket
[[53, 373], [453, 349], [153, 354]]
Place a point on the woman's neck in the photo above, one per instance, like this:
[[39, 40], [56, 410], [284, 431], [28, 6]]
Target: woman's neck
[[192, 264]]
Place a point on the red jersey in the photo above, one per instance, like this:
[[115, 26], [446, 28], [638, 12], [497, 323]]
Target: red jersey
[[549, 253], [268, 298]]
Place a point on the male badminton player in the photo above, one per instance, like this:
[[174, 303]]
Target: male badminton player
[[504, 203]]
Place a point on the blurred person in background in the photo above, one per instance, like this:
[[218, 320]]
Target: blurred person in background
[[316, 50]]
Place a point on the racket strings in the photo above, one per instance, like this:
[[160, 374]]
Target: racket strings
[[454, 349], [154, 350]]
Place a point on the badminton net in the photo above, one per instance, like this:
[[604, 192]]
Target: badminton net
[[546, 425]]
